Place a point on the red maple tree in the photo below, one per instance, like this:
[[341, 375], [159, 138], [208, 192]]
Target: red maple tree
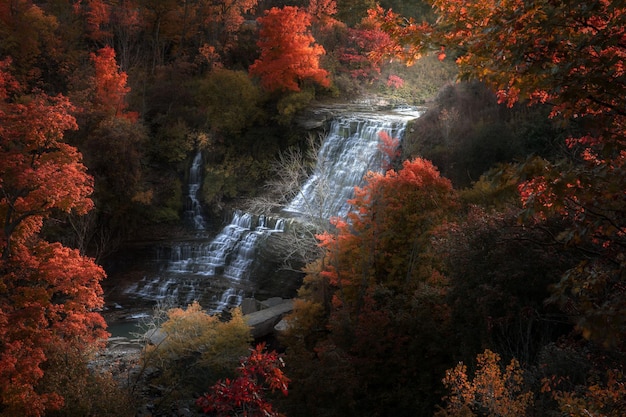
[[48, 293], [109, 84], [390, 218], [246, 395], [355, 54], [289, 54]]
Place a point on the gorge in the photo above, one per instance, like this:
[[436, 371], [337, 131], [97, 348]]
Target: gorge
[[219, 271]]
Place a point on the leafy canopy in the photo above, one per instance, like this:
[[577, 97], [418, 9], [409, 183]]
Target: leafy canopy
[[48, 293], [570, 56], [289, 54]]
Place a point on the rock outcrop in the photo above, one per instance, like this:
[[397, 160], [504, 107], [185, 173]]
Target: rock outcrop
[[262, 322]]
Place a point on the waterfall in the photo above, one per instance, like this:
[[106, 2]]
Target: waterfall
[[215, 272], [220, 272], [349, 151], [193, 209]]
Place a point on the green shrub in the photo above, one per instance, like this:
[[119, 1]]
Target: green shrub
[[292, 103], [231, 100]]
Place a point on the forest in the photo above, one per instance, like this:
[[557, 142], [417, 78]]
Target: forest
[[483, 273]]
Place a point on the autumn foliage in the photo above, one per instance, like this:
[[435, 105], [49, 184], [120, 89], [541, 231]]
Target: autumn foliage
[[228, 15], [355, 54], [197, 350], [48, 292], [390, 217], [247, 395], [493, 391], [568, 57], [40, 172], [109, 82], [374, 276], [528, 261], [289, 54], [96, 15]]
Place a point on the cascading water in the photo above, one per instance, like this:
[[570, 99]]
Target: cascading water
[[214, 272], [193, 208], [351, 149], [220, 272]]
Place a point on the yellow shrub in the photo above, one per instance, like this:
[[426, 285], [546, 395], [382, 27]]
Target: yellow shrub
[[197, 350]]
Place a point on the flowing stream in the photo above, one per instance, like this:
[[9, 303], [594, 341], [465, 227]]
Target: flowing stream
[[220, 271]]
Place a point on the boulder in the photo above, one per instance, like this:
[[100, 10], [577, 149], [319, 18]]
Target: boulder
[[262, 322], [281, 327], [271, 302], [155, 336], [249, 305]]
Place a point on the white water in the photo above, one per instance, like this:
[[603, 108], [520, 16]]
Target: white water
[[219, 272], [350, 150], [216, 271], [193, 208]]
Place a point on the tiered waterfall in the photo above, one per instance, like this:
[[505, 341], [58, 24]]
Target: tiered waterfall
[[219, 272]]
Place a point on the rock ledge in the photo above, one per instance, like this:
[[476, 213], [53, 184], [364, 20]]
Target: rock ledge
[[262, 322]]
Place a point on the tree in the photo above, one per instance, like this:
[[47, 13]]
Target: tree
[[354, 55], [223, 18], [499, 275], [113, 150], [322, 10], [195, 350], [353, 11], [40, 173], [288, 52], [570, 56], [246, 395], [231, 101], [491, 392], [389, 223], [602, 396], [126, 24], [110, 84], [113, 142], [161, 23], [27, 35], [377, 290], [48, 293], [96, 15]]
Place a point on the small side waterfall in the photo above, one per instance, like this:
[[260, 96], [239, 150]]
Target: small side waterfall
[[220, 272], [193, 209]]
